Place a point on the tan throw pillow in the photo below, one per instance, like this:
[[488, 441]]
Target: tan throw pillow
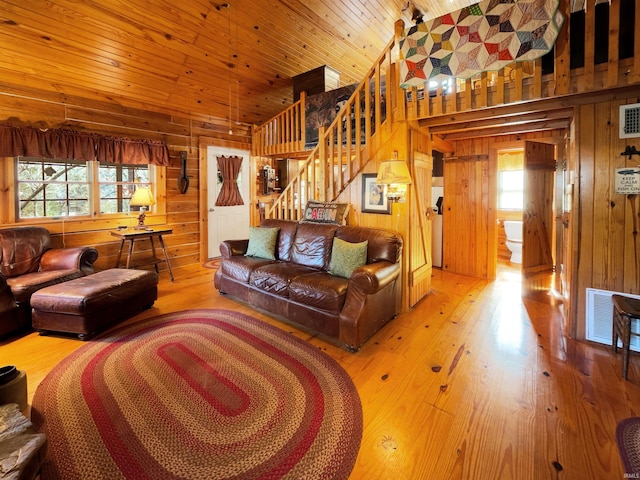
[[262, 242], [346, 257], [319, 212]]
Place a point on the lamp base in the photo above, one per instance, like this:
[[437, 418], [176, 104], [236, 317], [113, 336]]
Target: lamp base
[[141, 225]]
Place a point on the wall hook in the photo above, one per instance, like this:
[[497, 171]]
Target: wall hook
[[631, 151]]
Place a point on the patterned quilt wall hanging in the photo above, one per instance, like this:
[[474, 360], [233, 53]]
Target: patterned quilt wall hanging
[[484, 36]]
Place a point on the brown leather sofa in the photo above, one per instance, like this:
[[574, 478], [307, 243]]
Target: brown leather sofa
[[298, 287], [27, 264]]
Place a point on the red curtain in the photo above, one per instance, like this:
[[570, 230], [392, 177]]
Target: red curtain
[[56, 143], [229, 193]]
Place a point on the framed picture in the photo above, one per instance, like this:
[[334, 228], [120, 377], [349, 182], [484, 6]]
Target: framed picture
[[374, 196]]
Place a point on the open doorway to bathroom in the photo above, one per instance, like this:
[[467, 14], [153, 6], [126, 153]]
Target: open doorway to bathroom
[[510, 208], [526, 203]]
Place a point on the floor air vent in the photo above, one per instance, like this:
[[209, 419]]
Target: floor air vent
[[599, 317], [630, 120]]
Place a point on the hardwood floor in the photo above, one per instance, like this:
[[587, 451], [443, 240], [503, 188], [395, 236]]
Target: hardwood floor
[[474, 383]]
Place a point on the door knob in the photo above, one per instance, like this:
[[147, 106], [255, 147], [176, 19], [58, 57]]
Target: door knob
[[211, 209]]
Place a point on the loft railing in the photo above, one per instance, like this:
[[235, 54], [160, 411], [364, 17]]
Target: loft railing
[[284, 133], [343, 147], [588, 56]]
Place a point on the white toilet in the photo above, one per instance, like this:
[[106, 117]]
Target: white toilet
[[513, 229]]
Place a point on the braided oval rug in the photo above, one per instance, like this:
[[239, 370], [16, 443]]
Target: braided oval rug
[[200, 394]]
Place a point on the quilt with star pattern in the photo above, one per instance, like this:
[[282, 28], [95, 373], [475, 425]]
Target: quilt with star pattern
[[485, 36]]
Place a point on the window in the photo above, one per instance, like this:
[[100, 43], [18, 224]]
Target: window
[[52, 188], [511, 190], [117, 184]]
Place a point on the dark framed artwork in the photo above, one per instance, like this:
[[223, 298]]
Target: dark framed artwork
[[374, 196]]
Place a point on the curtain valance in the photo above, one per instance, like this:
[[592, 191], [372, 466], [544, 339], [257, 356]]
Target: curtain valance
[[57, 143]]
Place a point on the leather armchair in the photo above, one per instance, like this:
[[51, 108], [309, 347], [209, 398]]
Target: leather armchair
[[27, 264]]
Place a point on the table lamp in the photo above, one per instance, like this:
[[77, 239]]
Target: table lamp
[[142, 198]]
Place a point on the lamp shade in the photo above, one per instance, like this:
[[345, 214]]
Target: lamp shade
[[393, 172], [142, 197]]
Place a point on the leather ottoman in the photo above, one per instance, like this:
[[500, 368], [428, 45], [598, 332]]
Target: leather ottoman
[[89, 304]]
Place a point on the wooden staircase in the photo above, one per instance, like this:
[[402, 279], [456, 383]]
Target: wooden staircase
[[344, 147]]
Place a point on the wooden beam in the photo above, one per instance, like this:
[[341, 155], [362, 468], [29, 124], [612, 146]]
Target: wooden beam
[[511, 129]]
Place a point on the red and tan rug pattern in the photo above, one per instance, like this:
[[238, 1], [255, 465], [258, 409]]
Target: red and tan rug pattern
[[200, 394], [213, 263], [628, 439]]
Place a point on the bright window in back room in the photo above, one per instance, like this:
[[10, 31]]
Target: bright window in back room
[[511, 180]]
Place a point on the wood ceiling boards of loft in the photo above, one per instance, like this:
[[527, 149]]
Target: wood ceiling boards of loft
[[231, 59]]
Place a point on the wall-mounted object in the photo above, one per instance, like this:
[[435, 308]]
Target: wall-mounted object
[[268, 180], [374, 196], [395, 174], [183, 180], [629, 121]]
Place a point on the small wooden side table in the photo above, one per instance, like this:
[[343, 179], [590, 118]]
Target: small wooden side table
[[625, 310], [132, 235]]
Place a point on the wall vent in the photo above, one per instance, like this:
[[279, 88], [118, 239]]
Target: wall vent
[[599, 318], [630, 120]]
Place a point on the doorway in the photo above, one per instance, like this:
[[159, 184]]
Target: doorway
[[226, 222], [526, 213]]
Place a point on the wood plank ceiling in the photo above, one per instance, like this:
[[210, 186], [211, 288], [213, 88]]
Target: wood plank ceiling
[[230, 60]]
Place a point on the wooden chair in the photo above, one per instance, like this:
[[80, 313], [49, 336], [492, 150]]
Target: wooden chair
[[625, 311]]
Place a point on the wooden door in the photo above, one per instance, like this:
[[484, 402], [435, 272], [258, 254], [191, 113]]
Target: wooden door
[[538, 219], [226, 222], [419, 247]]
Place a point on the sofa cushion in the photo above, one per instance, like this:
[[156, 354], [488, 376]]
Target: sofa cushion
[[24, 286], [262, 242], [312, 245], [321, 212], [383, 244], [240, 267], [319, 290], [346, 257], [286, 234], [275, 278]]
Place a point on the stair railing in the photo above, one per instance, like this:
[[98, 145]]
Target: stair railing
[[346, 145]]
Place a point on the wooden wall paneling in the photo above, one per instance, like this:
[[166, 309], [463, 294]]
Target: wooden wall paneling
[[629, 206], [570, 224], [586, 175], [619, 268], [490, 210], [601, 194]]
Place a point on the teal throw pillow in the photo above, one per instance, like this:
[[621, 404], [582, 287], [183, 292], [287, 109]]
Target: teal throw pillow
[[346, 257], [262, 242]]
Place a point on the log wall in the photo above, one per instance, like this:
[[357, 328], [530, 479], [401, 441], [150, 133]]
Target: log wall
[[181, 132]]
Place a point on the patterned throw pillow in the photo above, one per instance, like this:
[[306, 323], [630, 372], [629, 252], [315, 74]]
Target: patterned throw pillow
[[262, 242], [346, 257], [319, 212]]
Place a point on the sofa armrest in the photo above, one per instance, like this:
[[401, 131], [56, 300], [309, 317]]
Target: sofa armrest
[[372, 277], [230, 248], [370, 302], [77, 258]]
